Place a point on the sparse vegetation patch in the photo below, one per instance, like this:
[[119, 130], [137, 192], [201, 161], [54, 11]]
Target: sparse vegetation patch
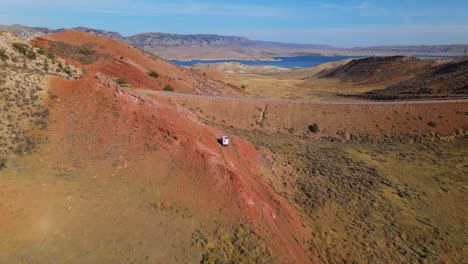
[[3, 54], [153, 74], [432, 124], [168, 88], [21, 47], [233, 245], [314, 128], [121, 81], [83, 54]]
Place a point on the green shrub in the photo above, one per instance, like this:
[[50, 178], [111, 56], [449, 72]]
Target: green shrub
[[121, 81], [314, 128], [153, 74], [233, 245], [50, 55], [31, 55], [41, 51], [67, 70], [2, 163], [432, 124], [3, 55], [21, 47], [84, 50], [243, 86], [168, 88], [46, 66]]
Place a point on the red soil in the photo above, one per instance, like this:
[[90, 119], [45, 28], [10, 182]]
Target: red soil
[[106, 130]]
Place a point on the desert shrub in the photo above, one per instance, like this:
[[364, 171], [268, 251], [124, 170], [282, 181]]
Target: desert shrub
[[60, 66], [31, 55], [46, 66], [84, 50], [121, 81], [50, 55], [21, 47], [41, 51], [168, 88], [314, 128], [153, 74], [233, 245], [3, 55], [2, 163], [83, 54], [67, 70], [432, 124]]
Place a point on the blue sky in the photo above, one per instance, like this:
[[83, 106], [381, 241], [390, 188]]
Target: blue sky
[[338, 23]]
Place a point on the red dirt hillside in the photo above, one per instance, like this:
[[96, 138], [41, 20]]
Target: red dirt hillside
[[120, 60], [101, 129]]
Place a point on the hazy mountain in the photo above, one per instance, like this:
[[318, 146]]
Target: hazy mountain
[[458, 49], [28, 33], [152, 40], [104, 33], [209, 46]]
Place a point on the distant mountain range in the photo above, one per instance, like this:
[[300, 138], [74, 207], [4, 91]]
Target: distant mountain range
[[209, 46]]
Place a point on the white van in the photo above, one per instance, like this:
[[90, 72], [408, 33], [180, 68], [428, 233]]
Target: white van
[[225, 141]]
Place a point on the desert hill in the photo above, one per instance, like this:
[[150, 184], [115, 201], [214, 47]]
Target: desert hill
[[105, 159], [23, 89], [448, 79], [378, 70]]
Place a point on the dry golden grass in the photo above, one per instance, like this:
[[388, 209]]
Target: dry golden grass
[[291, 84]]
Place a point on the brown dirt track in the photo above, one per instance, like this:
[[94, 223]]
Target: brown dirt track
[[288, 116]]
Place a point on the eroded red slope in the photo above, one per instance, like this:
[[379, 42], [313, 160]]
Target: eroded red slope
[[106, 129]]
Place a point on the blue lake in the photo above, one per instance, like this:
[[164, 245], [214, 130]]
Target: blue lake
[[289, 62], [283, 62]]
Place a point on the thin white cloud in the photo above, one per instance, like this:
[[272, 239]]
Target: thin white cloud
[[362, 5], [365, 7]]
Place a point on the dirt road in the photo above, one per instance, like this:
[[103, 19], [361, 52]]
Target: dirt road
[[332, 117], [290, 101]]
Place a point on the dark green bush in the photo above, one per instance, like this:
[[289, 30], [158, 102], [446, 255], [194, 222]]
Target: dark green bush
[[31, 55], [21, 47], [46, 66], [153, 74], [314, 128], [2, 163], [3, 55], [84, 50], [168, 88], [432, 124], [41, 51], [50, 55], [121, 81], [67, 70]]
